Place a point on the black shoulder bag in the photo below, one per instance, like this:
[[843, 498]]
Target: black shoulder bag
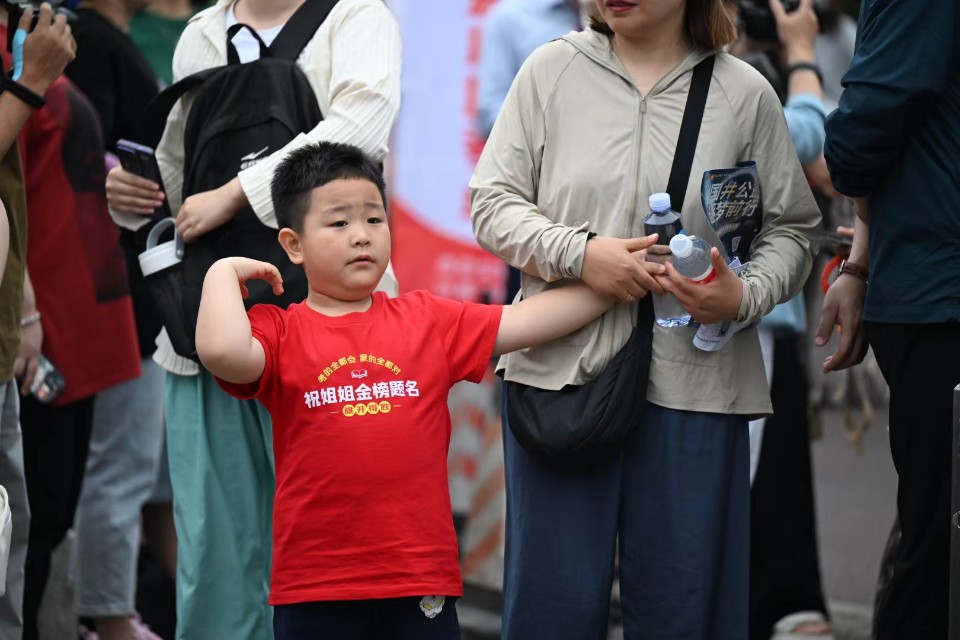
[[578, 425]]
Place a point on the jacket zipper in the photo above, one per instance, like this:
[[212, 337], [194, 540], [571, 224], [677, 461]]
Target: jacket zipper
[[637, 229]]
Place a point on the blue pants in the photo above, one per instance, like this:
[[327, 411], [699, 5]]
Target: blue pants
[[388, 619], [678, 502]]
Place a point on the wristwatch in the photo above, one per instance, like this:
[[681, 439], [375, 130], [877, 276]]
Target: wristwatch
[[858, 271]]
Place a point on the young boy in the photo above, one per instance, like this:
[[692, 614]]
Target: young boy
[[357, 383]]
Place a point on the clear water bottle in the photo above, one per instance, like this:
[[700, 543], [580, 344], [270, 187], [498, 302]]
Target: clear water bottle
[[691, 258], [665, 222]]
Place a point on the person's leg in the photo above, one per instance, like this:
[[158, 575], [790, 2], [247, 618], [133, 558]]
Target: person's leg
[[55, 442], [685, 532], [221, 468], [561, 531], [921, 364], [784, 559], [404, 619], [158, 529], [317, 620], [121, 470], [12, 479]]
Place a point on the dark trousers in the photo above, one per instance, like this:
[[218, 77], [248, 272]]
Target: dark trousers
[[388, 619], [921, 364], [55, 445], [784, 560], [677, 500]]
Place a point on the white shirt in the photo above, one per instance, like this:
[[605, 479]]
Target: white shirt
[[248, 49]]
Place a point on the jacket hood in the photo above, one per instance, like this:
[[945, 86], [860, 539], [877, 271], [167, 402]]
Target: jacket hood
[[598, 48]]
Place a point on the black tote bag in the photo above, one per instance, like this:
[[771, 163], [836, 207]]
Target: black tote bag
[[578, 425]]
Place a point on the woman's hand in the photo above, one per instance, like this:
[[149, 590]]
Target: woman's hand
[[204, 212], [131, 194], [714, 301], [618, 268], [28, 357]]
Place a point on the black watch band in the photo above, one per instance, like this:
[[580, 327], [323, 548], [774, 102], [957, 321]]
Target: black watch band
[[805, 66], [7, 83]]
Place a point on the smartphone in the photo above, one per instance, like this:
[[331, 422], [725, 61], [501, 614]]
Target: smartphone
[[141, 160], [48, 382]]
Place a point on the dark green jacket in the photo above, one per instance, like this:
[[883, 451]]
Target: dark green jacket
[[896, 138]]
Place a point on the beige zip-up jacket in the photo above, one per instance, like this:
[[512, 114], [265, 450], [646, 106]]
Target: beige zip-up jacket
[[576, 148]]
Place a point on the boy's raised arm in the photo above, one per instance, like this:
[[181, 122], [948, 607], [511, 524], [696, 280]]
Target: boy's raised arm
[[225, 343], [554, 313]]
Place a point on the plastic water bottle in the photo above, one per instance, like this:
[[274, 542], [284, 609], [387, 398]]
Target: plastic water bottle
[[665, 222], [691, 258]]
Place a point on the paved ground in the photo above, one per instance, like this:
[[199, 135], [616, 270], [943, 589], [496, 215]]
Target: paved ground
[[855, 504]]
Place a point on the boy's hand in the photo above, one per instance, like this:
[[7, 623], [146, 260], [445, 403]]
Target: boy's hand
[[204, 212], [247, 269], [47, 50], [714, 301], [617, 268], [129, 193]]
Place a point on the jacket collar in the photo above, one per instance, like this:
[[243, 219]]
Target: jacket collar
[[598, 48], [212, 23]]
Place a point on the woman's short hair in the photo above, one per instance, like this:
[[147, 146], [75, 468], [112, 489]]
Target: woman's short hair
[[709, 23]]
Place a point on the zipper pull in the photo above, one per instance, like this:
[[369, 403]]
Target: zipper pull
[[643, 105]]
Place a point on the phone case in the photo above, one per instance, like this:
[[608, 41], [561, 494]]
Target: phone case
[[141, 160]]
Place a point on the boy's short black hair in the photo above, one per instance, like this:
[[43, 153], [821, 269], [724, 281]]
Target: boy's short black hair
[[311, 167]]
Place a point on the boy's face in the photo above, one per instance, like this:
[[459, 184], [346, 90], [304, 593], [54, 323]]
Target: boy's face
[[345, 243]]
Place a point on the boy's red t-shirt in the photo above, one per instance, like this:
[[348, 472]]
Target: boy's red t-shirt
[[360, 436]]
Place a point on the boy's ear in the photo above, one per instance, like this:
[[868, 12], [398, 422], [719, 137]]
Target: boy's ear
[[290, 241]]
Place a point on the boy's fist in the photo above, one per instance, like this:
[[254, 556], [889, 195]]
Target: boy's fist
[[247, 269]]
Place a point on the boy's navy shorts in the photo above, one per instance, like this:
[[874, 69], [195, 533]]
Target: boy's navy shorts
[[387, 619]]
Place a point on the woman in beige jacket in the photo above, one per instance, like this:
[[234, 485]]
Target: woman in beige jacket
[[586, 134]]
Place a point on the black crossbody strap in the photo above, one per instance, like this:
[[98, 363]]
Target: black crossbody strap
[[300, 28], [689, 132]]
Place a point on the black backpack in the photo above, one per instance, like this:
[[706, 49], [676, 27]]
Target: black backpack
[[240, 114]]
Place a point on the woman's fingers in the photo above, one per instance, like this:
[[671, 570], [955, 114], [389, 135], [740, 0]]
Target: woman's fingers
[[643, 277], [131, 204]]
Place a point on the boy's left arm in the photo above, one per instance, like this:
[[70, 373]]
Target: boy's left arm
[[225, 342], [555, 313]]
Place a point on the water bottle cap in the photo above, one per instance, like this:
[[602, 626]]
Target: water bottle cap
[[681, 246], [660, 202]]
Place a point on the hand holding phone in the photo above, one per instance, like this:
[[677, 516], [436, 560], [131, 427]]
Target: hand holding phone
[[136, 186]]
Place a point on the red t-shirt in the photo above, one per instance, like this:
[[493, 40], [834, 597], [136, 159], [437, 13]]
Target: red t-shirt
[[360, 436]]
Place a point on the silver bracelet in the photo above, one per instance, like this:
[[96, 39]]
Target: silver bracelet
[[30, 319]]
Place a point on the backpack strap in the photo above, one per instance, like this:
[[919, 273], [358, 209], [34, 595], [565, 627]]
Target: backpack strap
[[689, 132], [300, 29], [153, 120]]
